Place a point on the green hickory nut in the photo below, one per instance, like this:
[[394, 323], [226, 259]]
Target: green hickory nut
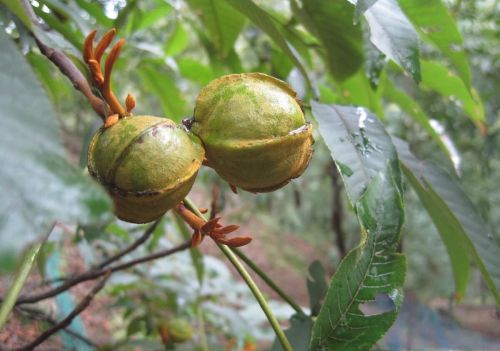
[[254, 132], [147, 164], [180, 330]]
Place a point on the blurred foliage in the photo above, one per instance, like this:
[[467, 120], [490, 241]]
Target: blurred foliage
[[176, 47]]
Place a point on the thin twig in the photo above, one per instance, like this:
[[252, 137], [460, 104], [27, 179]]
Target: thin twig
[[142, 239], [65, 65], [268, 281], [96, 273], [67, 321], [285, 343], [37, 314]]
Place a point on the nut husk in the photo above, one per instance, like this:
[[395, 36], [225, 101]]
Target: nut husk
[[254, 131], [147, 164]]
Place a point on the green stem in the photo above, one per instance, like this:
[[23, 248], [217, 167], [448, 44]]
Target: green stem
[[268, 281], [19, 280], [258, 295], [251, 284]]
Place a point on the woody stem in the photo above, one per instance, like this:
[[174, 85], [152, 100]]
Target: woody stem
[[250, 283]]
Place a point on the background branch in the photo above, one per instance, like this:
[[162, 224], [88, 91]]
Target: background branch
[[40, 315], [67, 321], [98, 272]]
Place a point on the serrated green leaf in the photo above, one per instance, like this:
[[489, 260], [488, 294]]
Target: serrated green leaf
[[362, 151], [331, 22], [222, 21], [177, 42], [164, 87], [456, 219], [262, 20], [367, 160], [38, 184], [435, 23], [439, 78], [370, 270], [393, 34]]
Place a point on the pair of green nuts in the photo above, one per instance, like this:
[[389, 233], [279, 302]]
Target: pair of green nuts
[[249, 128]]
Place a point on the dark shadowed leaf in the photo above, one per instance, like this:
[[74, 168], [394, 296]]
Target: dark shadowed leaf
[[435, 23], [38, 184], [316, 286], [456, 219], [331, 22], [393, 34], [298, 334]]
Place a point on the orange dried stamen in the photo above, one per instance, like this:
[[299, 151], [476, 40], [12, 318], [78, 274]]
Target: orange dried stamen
[[103, 44]]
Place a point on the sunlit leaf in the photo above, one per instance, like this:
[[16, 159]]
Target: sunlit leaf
[[262, 20], [195, 70], [221, 20], [165, 88], [17, 8], [411, 107], [177, 42], [456, 219], [441, 79], [435, 23], [331, 22], [38, 184]]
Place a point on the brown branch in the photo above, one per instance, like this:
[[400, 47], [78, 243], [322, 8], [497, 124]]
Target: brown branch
[[40, 315], [65, 65], [67, 321], [97, 272], [142, 239]]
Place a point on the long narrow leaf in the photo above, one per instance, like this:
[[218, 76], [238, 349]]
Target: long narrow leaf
[[456, 219], [18, 283]]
